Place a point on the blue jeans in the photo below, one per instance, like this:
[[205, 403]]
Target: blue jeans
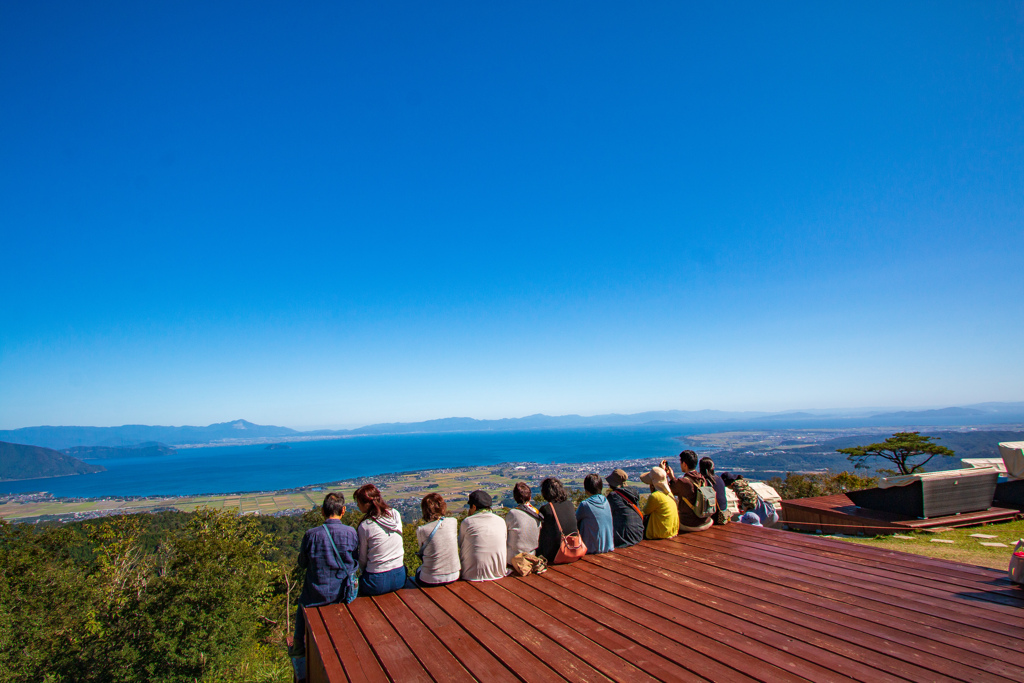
[[382, 582]]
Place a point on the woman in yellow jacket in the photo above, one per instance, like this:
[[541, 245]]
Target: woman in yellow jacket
[[661, 514]]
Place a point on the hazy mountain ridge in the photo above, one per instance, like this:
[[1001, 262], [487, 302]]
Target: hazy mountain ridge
[[59, 437], [18, 461], [148, 449], [131, 435]]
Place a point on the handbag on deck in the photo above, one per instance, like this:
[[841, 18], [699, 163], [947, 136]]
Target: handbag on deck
[[1017, 563], [572, 546]]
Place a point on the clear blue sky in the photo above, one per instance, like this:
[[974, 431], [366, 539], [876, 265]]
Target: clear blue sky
[[334, 213]]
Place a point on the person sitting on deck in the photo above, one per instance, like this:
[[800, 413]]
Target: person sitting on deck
[[691, 517], [627, 518], [327, 580], [558, 503], [594, 518], [381, 546], [439, 544], [523, 523], [482, 538], [707, 470], [661, 514], [749, 501]]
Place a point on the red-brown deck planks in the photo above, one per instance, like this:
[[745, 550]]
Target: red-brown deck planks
[[732, 604]]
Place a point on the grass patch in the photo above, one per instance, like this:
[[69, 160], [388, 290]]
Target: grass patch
[[964, 548]]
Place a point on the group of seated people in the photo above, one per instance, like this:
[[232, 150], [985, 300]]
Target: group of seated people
[[484, 544]]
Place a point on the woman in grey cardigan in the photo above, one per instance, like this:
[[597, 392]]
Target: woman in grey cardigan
[[523, 523], [439, 544]]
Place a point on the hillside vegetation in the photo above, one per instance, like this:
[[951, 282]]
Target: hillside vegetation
[[31, 462]]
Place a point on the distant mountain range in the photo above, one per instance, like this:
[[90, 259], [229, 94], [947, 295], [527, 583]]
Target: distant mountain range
[[145, 450], [132, 436], [30, 462]]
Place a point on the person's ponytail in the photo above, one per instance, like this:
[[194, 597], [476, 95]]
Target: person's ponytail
[[368, 494], [707, 469]]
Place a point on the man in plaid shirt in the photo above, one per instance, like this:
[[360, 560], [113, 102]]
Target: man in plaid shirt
[[325, 579]]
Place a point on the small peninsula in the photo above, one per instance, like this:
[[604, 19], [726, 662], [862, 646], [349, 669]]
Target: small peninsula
[[33, 462], [278, 447]]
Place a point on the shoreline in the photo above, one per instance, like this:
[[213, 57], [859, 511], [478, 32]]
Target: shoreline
[[403, 490]]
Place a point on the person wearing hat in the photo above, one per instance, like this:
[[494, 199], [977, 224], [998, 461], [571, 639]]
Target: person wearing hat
[[661, 510], [627, 518], [749, 501], [482, 538]]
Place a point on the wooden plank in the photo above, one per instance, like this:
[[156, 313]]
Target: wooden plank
[[608, 662], [1001, 608], [656, 619], [974, 652], [356, 656], [850, 594], [821, 657], [858, 550], [954, 620], [881, 581], [394, 655], [322, 663], [498, 643], [461, 644], [597, 630], [531, 637], [956, 575], [899, 653], [648, 630], [431, 653]]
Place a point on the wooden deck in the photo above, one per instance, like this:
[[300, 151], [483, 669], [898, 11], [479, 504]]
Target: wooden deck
[[734, 603], [838, 515]]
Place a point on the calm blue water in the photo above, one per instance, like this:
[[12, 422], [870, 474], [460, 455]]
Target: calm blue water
[[225, 469]]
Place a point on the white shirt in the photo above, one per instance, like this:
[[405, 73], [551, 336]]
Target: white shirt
[[482, 547], [381, 547]]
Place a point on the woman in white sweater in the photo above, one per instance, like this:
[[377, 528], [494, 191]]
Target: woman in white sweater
[[439, 544], [381, 550]]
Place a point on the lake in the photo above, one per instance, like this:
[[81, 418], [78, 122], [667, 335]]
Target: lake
[[226, 469]]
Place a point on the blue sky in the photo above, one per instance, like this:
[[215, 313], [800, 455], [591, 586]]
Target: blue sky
[[338, 213]]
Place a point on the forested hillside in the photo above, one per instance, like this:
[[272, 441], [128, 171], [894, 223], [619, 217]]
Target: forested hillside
[[30, 462]]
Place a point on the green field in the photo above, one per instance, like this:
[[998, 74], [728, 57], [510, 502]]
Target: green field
[[964, 547]]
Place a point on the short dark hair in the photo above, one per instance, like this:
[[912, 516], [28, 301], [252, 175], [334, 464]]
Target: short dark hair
[[592, 483], [334, 505], [522, 493], [433, 507], [688, 458], [553, 491]]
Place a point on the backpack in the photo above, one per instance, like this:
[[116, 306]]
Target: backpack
[[706, 503]]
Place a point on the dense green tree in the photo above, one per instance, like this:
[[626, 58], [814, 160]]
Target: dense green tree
[[902, 449], [46, 604], [819, 484], [208, 605]]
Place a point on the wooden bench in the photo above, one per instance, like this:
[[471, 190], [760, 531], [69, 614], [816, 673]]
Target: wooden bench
[[734, 603]]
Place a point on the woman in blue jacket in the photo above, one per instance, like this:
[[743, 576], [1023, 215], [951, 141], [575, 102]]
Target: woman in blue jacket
[[594, 518]]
